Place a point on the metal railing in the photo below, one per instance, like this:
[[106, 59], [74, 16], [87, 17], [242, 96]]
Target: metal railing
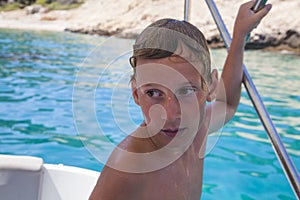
[[282, 155], [187, 10]]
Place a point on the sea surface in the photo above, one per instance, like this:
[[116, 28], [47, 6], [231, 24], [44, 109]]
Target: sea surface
[[66, 98]]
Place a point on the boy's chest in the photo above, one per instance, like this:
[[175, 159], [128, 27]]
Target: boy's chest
[[180, 180]]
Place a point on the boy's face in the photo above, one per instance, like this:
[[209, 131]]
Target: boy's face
[[172, 96]]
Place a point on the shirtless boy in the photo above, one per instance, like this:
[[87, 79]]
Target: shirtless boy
[[172, 81]]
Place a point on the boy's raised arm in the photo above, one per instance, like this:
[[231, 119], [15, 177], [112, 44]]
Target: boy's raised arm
[[229, 88]]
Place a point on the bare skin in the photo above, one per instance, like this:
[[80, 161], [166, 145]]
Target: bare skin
[[182, 179], [175, 107]]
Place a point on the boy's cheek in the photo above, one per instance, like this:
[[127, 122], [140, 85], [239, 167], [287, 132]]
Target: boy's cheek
[[192, 119], [154, 115], [192, 115], [154, 125]]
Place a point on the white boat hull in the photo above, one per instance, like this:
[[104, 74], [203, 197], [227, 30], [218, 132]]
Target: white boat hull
[[28, 178]]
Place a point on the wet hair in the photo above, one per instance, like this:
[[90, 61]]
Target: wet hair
[[162, 38]]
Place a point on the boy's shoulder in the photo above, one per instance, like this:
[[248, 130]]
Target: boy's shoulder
[[130, 154], [112, 180]]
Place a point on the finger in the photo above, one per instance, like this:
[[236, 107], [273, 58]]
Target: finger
[[263, 12], [249, 4]]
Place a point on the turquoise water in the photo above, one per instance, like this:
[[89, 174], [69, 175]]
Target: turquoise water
[[44, 76]]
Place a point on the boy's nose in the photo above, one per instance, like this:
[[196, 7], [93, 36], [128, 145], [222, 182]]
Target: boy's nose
[[172, 108]]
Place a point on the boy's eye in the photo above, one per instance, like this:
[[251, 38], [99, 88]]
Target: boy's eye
[[154, 93], [186, 91]]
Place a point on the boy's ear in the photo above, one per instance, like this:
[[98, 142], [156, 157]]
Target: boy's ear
[[212, 89], [134, 91]]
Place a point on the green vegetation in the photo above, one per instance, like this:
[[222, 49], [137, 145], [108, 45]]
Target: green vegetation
[[58, 6], [6, 5], [54, 5], [43, 2], [10, 7]]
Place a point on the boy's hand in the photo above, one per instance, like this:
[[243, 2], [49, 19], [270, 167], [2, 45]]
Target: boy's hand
[[247, 20]]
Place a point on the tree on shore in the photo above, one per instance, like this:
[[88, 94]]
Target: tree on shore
[[30, 2], [21, 2], [6, 5]]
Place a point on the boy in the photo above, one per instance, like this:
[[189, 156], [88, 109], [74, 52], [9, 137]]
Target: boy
[[172, 80]]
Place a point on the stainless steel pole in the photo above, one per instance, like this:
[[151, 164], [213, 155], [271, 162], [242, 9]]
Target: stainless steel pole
[[186, 10], [286, 162]]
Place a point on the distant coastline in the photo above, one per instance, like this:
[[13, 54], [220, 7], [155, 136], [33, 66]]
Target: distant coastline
[[279, 31]]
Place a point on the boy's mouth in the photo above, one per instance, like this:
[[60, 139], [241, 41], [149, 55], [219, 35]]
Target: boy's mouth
[[173, 132]]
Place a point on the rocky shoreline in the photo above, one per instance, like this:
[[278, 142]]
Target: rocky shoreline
[[290, 40], [280, 30]]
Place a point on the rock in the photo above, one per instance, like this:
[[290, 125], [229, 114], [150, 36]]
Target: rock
[[67, 2], [292, 39], [215, 41], [33, 9], [91, 31]]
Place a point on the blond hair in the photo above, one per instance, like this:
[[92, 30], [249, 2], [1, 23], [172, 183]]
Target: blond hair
[[162, 38]]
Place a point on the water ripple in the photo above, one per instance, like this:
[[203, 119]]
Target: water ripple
[[37, 74]]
